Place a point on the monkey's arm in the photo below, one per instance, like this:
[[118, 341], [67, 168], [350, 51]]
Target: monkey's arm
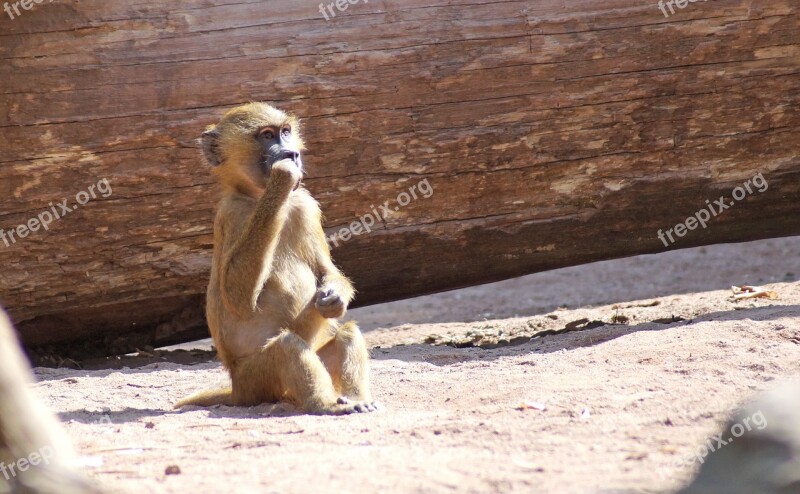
[[335, 289], [249, 251]]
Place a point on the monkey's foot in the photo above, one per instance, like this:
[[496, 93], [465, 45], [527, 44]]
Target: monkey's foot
[[345, 406], [362, 406]]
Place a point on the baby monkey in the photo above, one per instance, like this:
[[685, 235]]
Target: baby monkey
[[274, 296]]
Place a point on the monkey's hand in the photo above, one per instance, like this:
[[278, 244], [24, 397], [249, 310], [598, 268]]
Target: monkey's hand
[[329, 302], [286, 175]]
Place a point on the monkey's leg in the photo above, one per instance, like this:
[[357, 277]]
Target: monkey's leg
[[287, 368], [347, 360]]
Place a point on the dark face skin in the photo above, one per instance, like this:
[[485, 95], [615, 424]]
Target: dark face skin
[[253, 138], [277, 143]]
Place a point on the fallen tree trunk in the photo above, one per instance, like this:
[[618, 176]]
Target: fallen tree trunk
[[550, 134]]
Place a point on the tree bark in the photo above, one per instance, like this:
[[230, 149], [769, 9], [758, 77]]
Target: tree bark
[[552, 134]]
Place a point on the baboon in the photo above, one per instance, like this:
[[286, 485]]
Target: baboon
[[35, 455], [274, 295]]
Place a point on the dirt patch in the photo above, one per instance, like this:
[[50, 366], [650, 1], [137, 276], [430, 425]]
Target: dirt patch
[[599, 399]]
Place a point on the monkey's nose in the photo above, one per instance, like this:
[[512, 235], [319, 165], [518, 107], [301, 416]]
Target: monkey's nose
[[290, 155]]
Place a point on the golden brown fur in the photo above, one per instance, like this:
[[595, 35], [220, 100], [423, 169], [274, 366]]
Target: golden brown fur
[[35, 455], [274, 293]]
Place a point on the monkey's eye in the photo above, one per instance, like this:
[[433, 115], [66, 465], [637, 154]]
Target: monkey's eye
[[267, 134], [286, 131]]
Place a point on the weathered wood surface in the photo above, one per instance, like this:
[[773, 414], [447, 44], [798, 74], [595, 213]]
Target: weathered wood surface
[[553, 133]]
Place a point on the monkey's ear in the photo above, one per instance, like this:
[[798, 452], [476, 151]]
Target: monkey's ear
[[209, 142]]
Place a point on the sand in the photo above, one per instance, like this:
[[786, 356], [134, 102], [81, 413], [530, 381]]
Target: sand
[[656, 358]]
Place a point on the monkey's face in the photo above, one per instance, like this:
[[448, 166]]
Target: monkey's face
[[248, 141], [277, 143]]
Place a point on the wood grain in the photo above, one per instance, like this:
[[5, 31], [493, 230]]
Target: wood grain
[[553, 133]]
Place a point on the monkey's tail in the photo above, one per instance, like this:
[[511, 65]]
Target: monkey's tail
[[208, 398]]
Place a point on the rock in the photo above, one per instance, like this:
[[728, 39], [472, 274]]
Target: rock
[[766, 458]]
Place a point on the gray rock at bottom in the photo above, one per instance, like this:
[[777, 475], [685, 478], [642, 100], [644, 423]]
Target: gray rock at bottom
[[766, 458]]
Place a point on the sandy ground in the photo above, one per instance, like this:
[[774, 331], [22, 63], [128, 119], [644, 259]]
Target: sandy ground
[[655, 357]]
